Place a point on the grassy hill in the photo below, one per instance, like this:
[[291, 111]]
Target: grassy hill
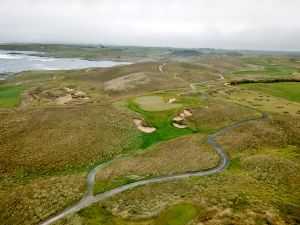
[[58, 125]]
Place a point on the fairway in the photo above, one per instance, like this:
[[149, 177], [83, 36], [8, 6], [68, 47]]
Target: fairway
[[285, 90], [10, 96], [154, 103], [180, 215]]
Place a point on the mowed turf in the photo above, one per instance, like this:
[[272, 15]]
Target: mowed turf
[[180, 214], [285, 90], [154, 103], [10, 96]]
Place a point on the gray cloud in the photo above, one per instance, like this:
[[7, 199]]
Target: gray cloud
[[230, 24]]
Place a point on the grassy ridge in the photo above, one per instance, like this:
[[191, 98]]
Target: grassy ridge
[[46, 150]]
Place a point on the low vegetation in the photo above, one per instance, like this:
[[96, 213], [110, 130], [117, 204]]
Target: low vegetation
[[47, 148], [188, 153]]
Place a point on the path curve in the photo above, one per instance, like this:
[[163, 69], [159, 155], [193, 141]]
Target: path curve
[[89, 199]]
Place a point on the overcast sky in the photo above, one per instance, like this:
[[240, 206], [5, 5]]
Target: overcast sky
[[228, 24]]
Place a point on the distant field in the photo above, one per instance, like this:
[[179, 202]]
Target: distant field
[[10, 96], [286, 90]]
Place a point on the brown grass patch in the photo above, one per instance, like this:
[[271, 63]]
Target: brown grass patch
[[190, 153], [217, 114], [55, 139], [32, 201]]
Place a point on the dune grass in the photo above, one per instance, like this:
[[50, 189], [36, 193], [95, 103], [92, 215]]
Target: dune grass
[[10, 96], [46, 151], [188, 153]]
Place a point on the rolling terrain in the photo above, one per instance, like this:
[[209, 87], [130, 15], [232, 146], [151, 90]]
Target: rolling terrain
[[219, 154]]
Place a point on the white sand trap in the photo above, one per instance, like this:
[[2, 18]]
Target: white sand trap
[[187, 113], [140, 126], [64, 99], [181, 117], [180, 126], [171, 100], [178, 118]]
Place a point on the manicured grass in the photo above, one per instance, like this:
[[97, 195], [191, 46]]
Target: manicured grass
[[275, 70], [285, 90], [269, 67], [179, 214], [10, 96], [162, 122], [154, 103]]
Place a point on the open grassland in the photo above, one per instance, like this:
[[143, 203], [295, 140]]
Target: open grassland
[[28, 201], [215, 114], [278, 132], [253, 98], [271, 66], [261, 185], [76, 137], [232, 197], [100, 84], [190, 72], [45, 154], [10, 96], [47, 150], [188, 153], [285, 90]]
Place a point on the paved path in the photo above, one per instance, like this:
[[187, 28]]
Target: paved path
[[88, 199]]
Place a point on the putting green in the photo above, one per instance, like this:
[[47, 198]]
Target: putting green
[[10, 96], [155, 103]]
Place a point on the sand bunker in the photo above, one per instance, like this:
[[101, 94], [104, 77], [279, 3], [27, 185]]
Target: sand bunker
[[180, 126], [140, 125], [171, 100], [181, 117], [185, 113], [126, 82], [71, 94]]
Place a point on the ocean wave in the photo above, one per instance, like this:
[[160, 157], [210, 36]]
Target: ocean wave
[[4, 56]]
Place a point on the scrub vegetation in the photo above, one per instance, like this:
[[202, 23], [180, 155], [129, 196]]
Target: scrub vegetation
[[48, 146]]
